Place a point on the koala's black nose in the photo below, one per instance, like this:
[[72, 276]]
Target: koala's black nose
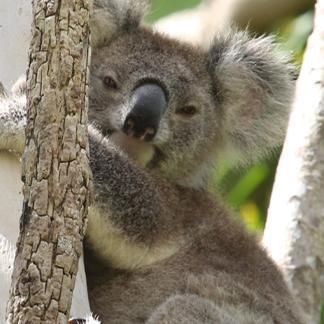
[[148, 105]]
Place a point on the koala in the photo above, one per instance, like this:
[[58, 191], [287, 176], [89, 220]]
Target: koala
[[160, 248]]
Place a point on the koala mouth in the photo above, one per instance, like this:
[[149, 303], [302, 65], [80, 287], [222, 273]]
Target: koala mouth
[[140, 151]]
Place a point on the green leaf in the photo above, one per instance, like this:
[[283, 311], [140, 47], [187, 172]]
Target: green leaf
[[247, 184]]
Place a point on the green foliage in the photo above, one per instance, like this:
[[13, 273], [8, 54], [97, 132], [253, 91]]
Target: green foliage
[[294, 32], [249, 191], [247, 184], [161, 8]]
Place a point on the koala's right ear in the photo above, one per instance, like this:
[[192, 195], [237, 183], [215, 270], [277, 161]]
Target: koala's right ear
[[111, 17], [254, 86]]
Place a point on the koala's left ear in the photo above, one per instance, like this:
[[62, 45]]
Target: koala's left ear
[[112, 17], [254, 87]]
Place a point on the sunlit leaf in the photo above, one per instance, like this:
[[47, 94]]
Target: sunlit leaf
[[251, 215]]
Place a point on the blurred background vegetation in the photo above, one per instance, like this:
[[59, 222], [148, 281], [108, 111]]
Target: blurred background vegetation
[[248, 190]]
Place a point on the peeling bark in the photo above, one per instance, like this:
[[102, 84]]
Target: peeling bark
[[56, 173], [294, 233]]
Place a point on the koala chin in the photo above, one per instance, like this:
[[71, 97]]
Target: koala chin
[[139, 151], [160, 248]]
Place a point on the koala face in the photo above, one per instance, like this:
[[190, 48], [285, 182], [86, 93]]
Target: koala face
[[183, 109], [174, 108]]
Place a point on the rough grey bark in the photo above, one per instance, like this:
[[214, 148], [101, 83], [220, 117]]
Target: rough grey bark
[[294, 232], [56, 173]]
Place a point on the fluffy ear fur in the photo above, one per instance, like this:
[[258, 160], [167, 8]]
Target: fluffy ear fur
[[112, 17], [254, 85]]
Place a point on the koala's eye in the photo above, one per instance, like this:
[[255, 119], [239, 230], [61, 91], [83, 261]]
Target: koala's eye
[[187, 111], [110, 83]]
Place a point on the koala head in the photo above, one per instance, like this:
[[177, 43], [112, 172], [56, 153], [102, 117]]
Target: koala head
[[173, 107]]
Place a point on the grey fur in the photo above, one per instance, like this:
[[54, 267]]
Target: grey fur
[[160, 248], [110, 18]]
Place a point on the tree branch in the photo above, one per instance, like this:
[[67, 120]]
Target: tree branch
[[260, 15], [56, 173], [294, 233], [199, 25]]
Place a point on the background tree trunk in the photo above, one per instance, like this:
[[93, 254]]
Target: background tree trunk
[[294, 232], [56, 173]]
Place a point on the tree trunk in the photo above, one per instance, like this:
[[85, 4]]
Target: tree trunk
[[294, 233], [56, 174]]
